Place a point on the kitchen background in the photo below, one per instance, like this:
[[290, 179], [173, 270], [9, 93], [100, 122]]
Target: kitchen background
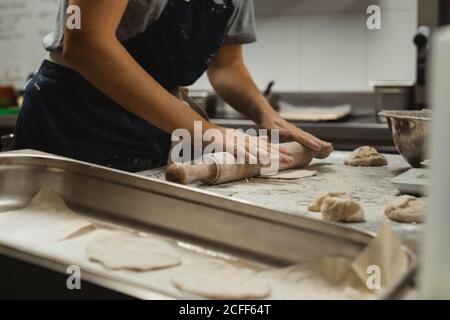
[[320, 53], [305, 45]]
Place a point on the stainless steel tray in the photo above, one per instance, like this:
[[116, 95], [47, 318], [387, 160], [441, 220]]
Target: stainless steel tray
[[200, 218]]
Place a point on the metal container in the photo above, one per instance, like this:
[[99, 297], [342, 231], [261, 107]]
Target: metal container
[[198, 218], [206, 100], [393, 95], [410, 133], [7, 142]]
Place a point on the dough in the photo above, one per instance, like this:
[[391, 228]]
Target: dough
[[406, 209], [222, 281], [317, 203], [45, 220], [324, 279], [338, 207], [342, 210], [291, 175], [130, 252], [366, 157]]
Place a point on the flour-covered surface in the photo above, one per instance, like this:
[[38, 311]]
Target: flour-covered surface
[[370, 186]]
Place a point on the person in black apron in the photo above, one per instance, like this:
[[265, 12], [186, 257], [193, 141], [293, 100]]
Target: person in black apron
[[64, 114]]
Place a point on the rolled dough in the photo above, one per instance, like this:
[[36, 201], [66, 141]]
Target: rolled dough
[[366, 157], [291, 175], [130, 252], [220, 280], [45, 220], [328, 278], [406, 209]]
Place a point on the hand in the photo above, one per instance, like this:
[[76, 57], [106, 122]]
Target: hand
[[254, 149], [290, 132]]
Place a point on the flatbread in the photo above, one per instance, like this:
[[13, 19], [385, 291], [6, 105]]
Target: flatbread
[[45, 220], [128, 252], [221, 281], [324, 279], [291, 175]]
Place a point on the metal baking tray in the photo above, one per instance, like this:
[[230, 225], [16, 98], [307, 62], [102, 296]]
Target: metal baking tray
[[413, 181], [213, 222]]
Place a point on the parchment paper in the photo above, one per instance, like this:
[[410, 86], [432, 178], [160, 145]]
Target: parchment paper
[[384, 252], [46, 219]]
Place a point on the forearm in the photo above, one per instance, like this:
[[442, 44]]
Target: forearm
[[235, 85], [110, 68]]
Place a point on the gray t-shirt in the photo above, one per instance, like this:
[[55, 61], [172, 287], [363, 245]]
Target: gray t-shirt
[[140, 14]]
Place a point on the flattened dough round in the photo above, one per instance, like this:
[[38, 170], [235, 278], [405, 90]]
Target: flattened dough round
[[291, 175], [220, 281], [317, 203], [341, 210], [366, 157], [127, 252], [406, 209]]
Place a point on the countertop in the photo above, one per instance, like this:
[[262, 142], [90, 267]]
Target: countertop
[[370, 187]]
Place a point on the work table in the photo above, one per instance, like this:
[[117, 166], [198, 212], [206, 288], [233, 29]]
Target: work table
[[183, 214], [370, 187]]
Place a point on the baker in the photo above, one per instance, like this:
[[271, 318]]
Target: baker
[[108, 92]]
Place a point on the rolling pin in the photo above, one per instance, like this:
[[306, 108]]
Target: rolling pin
[[214, 171]]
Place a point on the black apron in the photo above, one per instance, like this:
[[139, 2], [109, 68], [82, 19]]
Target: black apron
[[64, 114]]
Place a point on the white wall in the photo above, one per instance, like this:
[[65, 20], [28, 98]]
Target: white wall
[[23, 23], [306, 45]]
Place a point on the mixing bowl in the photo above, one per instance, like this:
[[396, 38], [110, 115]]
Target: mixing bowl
[[410, 133]]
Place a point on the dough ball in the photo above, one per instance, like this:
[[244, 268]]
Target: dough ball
[[366, 157], [406, 209], [221, 281], [130, 252], [317, 203], [341, 210]]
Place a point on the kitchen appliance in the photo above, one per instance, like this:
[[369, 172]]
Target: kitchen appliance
[[7, 142], [205, 100], [392, 95], [421, 41], [273, 98]]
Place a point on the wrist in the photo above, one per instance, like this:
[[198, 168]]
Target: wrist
[[263, 112], [266, 117]]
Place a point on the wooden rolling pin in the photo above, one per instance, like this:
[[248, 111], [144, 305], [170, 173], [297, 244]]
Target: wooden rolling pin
[[213, 171]]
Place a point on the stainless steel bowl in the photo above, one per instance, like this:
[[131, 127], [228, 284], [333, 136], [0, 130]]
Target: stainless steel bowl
[[410, 133]]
